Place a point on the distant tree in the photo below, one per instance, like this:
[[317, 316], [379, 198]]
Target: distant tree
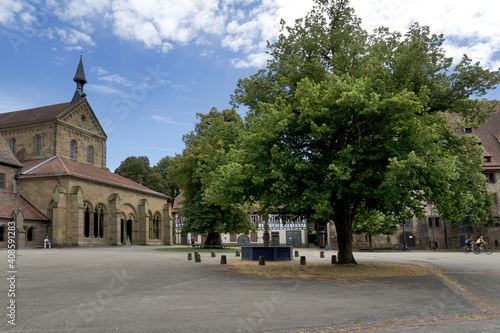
[[163, 168], [372, 223], [138, 170]]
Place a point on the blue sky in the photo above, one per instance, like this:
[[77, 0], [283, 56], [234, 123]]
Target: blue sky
[[151, 65]]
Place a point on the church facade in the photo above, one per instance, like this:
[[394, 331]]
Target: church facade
[[57, 163]]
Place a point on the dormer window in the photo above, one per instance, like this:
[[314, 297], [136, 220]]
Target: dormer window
[[487, 159], [468, 130]]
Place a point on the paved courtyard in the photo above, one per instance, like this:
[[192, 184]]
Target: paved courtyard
[[138, 289]]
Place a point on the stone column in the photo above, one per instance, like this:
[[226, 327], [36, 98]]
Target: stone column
[[167, 224], [18, 218], [59, 211], [114, 221], [76, 216], [143, 221]]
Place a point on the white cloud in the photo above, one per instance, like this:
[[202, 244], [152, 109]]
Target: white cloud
[[257, 60], [166, 120], [243, 26], [103, 89], [8, 11], [72, 36]]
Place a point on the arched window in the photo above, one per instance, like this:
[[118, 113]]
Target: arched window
[[72, 149], [86, 225], [13, 145], [154, 227], [38, 140], [29, 234], [90, 154], [98, 221]]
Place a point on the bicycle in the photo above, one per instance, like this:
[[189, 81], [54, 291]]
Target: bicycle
[[486, 249], [468, 249], [403, 247]]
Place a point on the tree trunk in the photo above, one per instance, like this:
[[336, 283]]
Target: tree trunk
[[213, 240], [267, 237], [371, 243], [343, 224]]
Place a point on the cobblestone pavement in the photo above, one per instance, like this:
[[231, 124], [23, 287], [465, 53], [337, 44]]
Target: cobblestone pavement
[[487, 308]]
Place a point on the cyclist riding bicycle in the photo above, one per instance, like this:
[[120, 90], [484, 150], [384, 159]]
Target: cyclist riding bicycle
[[480, 242], [469, 243]]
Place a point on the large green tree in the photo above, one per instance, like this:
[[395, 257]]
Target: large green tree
[[206, 148], [342, 119]]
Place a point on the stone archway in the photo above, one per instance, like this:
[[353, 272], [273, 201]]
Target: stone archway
[[243, 240], [127, 225], [410, 238]]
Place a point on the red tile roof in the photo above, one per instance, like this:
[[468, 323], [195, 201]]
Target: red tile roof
[[35, 115], [60, 166], [8, 205]]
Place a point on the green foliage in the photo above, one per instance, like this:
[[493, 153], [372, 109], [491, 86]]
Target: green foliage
[[138, 170], [163, 168], [206, 148], [341, 119], [372, 223]]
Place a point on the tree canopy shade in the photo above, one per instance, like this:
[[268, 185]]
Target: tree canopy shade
[[342, 119], [206, 148]]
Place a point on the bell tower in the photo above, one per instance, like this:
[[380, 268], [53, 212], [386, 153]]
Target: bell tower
[[80, 80]]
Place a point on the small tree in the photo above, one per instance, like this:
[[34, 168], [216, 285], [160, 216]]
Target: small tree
[[372, 223]]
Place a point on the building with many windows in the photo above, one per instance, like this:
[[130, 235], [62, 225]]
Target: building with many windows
[[56, 168]]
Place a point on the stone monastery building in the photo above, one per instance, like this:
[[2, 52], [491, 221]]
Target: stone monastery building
[[54, 181]]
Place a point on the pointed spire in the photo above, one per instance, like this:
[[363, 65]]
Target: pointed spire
[[80, 80]]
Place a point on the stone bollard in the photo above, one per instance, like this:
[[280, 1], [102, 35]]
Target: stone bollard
[[195, 254], [303, 260], [322, 254], [262, 261], [237, 253], [296, 254], [213, 254], [223, 260], [334, 259], [190, 256], [197, 258]]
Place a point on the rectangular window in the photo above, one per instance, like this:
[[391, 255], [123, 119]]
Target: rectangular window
[[468, 130], [38, 145], [430, 221], [487, 159], [2, 180], [490, 177]]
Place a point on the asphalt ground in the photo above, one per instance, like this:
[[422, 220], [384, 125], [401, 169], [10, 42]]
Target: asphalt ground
[[138, 289]]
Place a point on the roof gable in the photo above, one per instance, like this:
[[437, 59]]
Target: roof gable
[[82, 116], [6, 155]]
